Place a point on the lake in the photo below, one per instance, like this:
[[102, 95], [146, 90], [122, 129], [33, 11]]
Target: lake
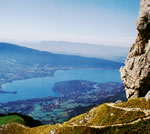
[[42, 87]]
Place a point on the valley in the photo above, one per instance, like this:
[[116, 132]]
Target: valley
[[20, 63], [70, 69], [53, 88], [51, 110]]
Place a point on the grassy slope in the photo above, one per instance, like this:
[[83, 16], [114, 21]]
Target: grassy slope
[[105, 115], [101, 115], [11, 119], [135, 103], [142, 127]]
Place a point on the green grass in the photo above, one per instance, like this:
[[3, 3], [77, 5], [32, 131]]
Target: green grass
[[11, 119], [102, 115], [105, 115], [142, 127], [135, 103]]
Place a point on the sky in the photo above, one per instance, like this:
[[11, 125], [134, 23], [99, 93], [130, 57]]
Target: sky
[[107, 22]]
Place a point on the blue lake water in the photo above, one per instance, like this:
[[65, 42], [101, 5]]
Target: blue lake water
[[42, 87]]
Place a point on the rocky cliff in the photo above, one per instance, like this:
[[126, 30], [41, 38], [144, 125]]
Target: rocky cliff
[[136, 73]]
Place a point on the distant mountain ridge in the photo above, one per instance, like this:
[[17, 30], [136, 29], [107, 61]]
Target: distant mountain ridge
[[115, 53], [30, 56]]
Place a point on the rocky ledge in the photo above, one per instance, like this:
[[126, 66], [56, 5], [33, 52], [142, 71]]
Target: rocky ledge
[[136, 73]]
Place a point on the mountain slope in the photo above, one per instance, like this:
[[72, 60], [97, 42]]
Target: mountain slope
[[83, 49], [11, 119], [119, 118], [29, 56], [18, 118]]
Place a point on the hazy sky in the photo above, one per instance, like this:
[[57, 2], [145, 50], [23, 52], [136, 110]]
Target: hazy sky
[[110, 22]]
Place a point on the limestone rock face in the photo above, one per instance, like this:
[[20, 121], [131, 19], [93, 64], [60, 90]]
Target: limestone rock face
[[136, 73], [147, 96]]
